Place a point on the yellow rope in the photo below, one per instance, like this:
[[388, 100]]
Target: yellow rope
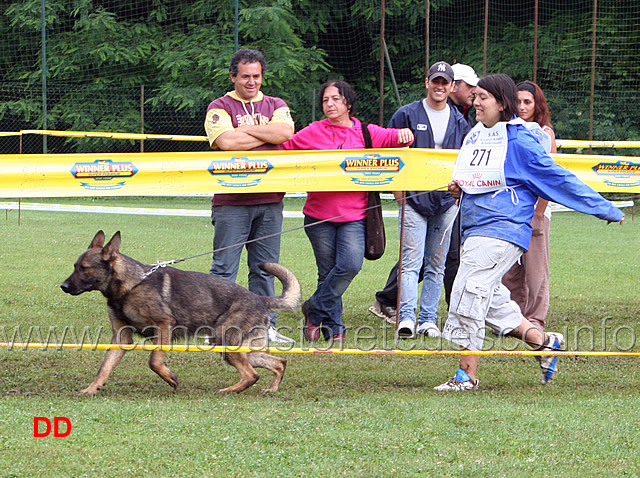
[[310, 350], [562, 143]]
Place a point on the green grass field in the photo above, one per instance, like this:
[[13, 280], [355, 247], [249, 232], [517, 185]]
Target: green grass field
[[340, 415]]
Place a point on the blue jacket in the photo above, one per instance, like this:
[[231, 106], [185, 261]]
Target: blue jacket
[[530, 173], [412, 115]]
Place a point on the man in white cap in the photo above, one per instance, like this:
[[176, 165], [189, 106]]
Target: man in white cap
[[464, 89]]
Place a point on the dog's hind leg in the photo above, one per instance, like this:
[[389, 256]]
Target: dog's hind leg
[[276, 364], [156, 359], [122, 334], [248, 375]]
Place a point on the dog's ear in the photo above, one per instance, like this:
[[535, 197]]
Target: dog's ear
[[98, 240], [111, 249]]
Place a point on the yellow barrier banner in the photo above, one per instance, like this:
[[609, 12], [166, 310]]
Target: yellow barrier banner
[[205, 173]]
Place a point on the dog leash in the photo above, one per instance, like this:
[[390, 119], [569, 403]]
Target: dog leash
[[163, 264]]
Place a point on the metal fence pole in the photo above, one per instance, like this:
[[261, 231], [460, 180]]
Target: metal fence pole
[[236, 26], [593, 67], [427, 41], [535, 41], [142, 117], [486, 38], [382, 18], [44, 76]]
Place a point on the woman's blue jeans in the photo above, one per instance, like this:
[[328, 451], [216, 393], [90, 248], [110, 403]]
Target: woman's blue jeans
[[339, 251]]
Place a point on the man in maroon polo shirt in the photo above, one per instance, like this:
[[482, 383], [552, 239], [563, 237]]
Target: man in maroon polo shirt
[[242, 120]]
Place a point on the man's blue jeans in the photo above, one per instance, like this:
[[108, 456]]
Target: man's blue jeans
[[426, 238], [339, 251], [238, 224]]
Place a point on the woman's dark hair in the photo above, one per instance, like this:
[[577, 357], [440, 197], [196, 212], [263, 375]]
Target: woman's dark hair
[[244, 55], [504, 91], [345, 89], [541, 113]]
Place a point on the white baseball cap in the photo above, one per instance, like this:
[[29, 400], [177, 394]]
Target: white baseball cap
[[465, 73]]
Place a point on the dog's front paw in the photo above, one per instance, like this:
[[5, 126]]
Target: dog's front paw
[[174, 382], [90, 391]]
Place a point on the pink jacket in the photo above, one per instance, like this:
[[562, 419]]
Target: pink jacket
[[326, 135]]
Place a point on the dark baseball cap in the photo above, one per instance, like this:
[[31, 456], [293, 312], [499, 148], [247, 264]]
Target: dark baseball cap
[[441, 69]]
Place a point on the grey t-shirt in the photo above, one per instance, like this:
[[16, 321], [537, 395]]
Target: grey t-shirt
[[439, 121]]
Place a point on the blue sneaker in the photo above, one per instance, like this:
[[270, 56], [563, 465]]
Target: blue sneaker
[[549, 363]]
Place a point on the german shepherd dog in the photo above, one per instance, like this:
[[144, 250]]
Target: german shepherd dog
[[170, 302]]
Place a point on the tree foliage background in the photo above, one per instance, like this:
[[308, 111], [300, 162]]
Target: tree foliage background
[[154, 65]]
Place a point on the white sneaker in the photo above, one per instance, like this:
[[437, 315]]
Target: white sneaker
[[428, 329], [385, 312], [455, 385], [277, 338], [208, 341], [405, 329]]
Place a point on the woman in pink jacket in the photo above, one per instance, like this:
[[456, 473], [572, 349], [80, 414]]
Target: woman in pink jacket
[[338, 244]]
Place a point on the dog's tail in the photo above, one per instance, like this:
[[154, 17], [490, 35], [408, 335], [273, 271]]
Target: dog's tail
[[291, 293]]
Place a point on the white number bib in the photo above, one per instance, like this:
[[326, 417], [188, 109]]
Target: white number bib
[[479, 166]]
